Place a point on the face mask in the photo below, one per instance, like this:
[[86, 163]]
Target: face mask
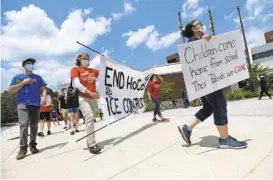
[[30, 67], [85, 63]]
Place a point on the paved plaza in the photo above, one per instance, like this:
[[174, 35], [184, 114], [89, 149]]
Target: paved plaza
[[137, 148]]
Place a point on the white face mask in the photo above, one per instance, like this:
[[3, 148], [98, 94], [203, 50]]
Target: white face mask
[[85, 63]]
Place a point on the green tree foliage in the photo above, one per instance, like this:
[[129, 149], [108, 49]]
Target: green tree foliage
[[167, 94], [8, 108], [258, 70]]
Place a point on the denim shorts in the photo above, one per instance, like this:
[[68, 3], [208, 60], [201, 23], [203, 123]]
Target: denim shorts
[[73, 110]]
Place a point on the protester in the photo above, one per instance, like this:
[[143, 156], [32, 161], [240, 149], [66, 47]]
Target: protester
[[54, 116], [263, 86], [73, 108], [28, 87], [212, 103], [84, 79], [184, 98], [63, 107], [154, 93], [45, 116]]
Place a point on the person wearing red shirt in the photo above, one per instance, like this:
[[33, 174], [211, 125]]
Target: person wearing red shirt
[[84, 79], [154, 93], [45, 116]]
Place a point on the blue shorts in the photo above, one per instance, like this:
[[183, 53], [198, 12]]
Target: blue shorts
[[73, 110]]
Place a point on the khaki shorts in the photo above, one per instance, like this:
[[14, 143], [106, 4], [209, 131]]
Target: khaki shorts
[[64, 113]]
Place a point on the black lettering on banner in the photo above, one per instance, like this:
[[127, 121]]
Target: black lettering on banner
[[129, 82], [186, 57], [108, 91], [108, 106], [226, 45], [107, 76], [118, 79], [214, 63], [199, 86], [198, 71], [112, 106], [130, 105], [230, 73], [231, 57], [215, 79]]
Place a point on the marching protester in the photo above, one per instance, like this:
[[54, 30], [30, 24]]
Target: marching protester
[[84, 79], [263, 86], [73, 108], [154, 93], [63, 106], [212, 103], [54, 115], [28, 86], [184, 98], [45, 115]]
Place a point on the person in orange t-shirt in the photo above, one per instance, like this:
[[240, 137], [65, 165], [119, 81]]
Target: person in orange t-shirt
[[84, 79], [45, 116]]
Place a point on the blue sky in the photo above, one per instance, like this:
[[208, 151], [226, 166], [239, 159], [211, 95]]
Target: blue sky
[[138, 33]]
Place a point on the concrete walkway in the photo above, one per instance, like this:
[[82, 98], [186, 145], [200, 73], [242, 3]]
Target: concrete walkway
[[137, 148]]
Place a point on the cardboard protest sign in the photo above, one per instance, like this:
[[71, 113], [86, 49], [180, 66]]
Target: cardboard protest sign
[[208, 66], [121, 89]]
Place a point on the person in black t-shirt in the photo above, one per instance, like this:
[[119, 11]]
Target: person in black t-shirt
[[263, 86], [63, 107]]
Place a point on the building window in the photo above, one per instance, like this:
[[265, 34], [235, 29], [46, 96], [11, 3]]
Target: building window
[[262, 55]]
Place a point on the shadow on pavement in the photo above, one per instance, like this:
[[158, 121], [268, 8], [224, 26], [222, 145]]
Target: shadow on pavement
[[208, 142], [60, 145], [122, 139]]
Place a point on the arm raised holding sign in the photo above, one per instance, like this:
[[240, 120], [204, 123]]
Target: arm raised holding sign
[[154, 93], [214, 103], [84, 79]]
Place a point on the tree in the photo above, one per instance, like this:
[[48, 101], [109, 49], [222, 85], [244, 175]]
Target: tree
[[8, 108], [258, 70]]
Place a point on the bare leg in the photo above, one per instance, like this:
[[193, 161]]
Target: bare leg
[[223, 131]]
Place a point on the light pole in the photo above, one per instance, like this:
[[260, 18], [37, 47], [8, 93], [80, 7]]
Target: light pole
[[251, 83]]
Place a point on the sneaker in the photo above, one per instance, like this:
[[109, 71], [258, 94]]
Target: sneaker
[[185, 134], [22, 153], [231, 142], [48, 132], [94, 149], [33, 149], [164, 120], [77, 131], [40, 134], [72, 133]]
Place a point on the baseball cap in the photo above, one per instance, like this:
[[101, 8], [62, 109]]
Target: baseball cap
[[28, 60]]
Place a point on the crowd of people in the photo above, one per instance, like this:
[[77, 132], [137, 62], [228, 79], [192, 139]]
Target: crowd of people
[[80, 99]]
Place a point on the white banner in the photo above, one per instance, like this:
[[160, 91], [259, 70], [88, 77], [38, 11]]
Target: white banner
[[121, 89], [208, 66]]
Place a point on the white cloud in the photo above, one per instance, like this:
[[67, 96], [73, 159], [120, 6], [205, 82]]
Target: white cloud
[[138, 37], [156, 43], [128, 9], [255, 36], [29, 32], [191, 9], [40, 36], [255, 8], [117, 16], [231, 15], [150, 36]]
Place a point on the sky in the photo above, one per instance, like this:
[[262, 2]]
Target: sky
[[137, 33]]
